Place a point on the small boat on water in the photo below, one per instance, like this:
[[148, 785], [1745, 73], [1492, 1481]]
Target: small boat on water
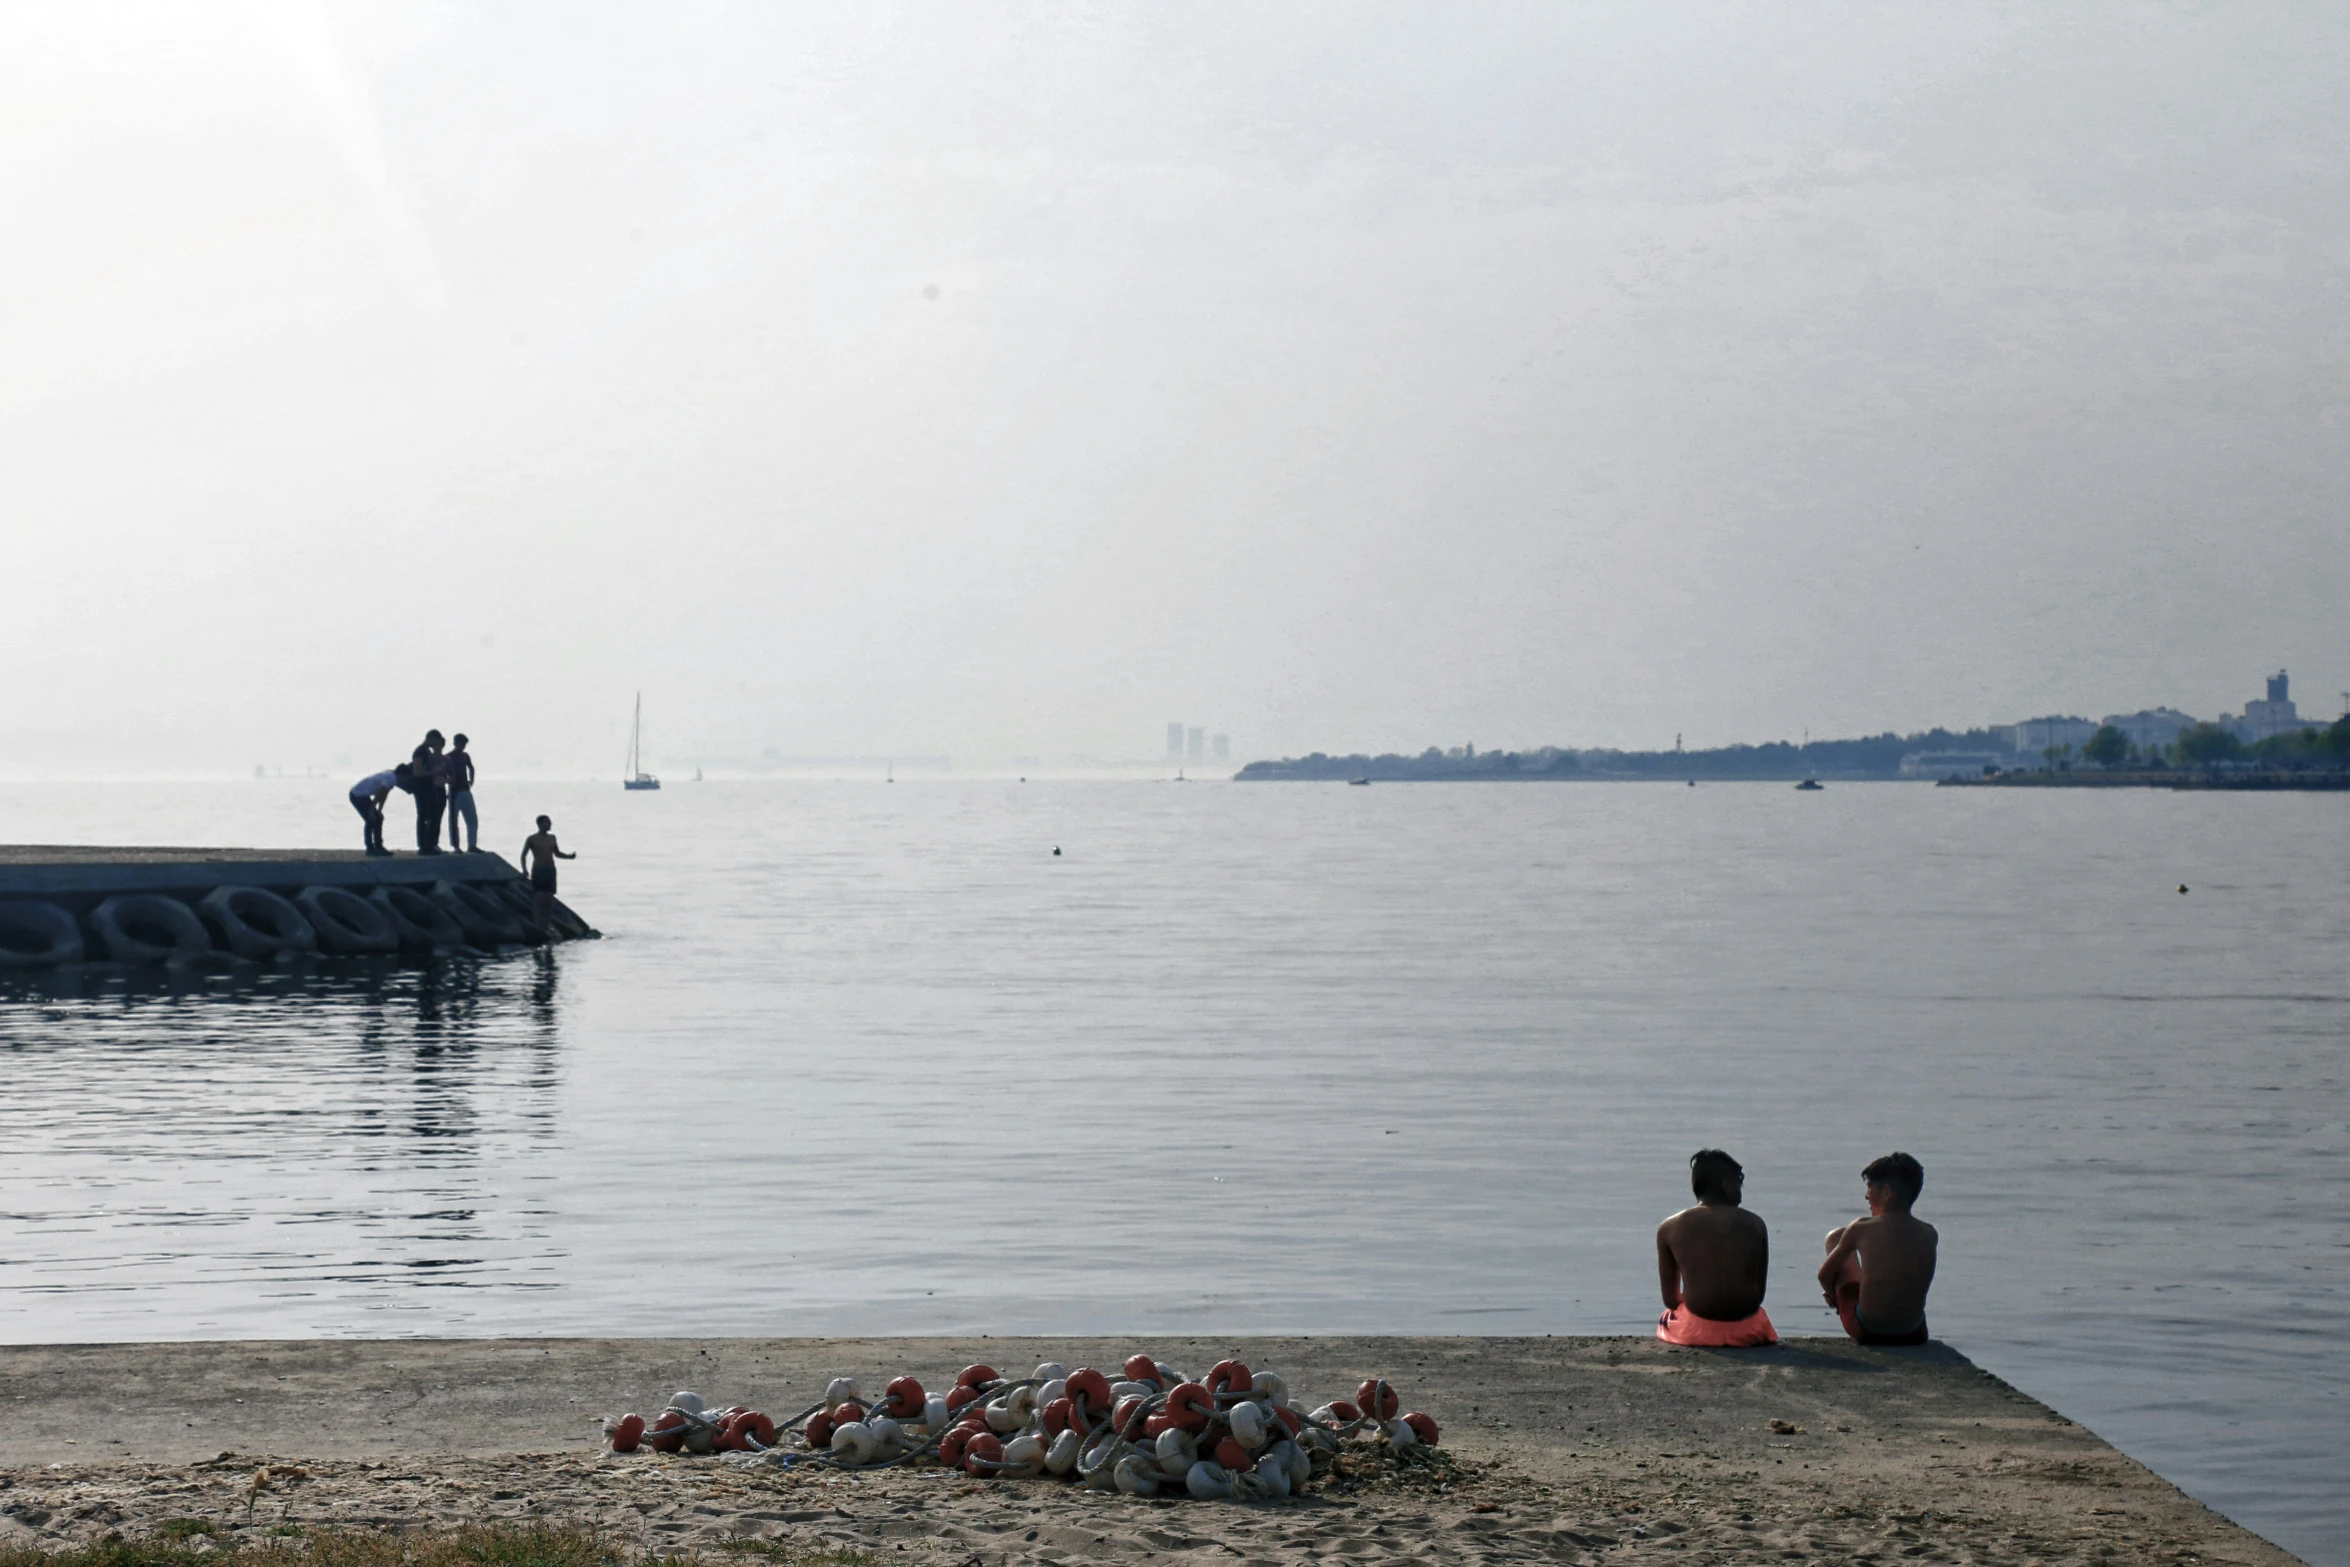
[[636, 777], [1358, 783], [1811, 783]]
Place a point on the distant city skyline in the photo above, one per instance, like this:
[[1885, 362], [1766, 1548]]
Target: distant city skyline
[[2274, 712]]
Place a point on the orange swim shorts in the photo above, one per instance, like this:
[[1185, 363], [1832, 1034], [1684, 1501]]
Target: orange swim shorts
[[1683, 1326]]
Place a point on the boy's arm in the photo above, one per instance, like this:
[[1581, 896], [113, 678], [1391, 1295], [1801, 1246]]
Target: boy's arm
[[1668, 1269], [1847, 1242]]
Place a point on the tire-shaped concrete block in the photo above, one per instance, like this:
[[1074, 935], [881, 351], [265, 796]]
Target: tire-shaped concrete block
[[255, 923], [485, 920], [347, 924], [35, 934], [522, 903], [416, 920], [147, 927]]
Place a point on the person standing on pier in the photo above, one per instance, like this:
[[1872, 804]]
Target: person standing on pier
[[542, 847], [367, 798], [424, 770], [457, 769]]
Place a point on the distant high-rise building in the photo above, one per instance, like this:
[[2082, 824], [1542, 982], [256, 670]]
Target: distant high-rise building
[[2036, 735], [1174, 742], [2151, 726], [1195, 743], [1222, 745], [2276, 716]]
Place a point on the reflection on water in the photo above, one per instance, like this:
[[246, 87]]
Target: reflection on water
[[235, 1142]]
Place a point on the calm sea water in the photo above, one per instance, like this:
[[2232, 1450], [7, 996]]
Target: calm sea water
[[860, 1057]]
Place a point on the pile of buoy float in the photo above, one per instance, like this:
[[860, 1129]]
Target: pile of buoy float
[[1232, 1434]]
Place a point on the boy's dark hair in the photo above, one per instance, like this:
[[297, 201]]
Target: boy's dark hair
[[432, 737], [459, 742], [404, 777], [1711, 1171], [1899, 1174], [546, 822]]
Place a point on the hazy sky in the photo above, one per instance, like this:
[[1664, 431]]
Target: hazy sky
[[1004, 380]]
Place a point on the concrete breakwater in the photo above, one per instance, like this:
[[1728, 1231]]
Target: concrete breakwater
[[141, 907]]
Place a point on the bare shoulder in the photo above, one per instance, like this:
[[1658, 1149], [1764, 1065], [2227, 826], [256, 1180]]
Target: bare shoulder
[[1748, 1219]]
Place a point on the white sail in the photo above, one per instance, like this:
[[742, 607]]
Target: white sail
[[636, 777]]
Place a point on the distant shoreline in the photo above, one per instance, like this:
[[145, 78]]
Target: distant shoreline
[[2166, 779], [1882, 760]]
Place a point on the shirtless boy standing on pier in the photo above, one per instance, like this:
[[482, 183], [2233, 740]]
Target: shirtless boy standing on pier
[[1713, 1261], [540, 847], [1879, 1268]]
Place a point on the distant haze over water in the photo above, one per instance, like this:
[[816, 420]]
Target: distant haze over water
[[1007, 381], [864, 1057]]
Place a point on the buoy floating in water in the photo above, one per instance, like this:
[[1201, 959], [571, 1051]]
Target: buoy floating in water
[[1232, 1434]]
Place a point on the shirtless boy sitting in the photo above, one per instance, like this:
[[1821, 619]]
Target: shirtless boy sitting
[[1712, 1262], [1879, 1268]]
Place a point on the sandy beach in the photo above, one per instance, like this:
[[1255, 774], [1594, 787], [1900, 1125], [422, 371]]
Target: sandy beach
[[1556, 1449]]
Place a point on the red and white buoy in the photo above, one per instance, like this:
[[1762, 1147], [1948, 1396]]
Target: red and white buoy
[[1232, 1433]]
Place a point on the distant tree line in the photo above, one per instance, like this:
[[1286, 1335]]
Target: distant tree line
[[1875, 756], [2211, 745]]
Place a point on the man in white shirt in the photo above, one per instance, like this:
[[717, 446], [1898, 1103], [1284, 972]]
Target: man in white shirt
[[367, 798]]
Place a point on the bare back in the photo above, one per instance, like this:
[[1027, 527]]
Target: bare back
[[1897, 1252], [1715, 1259]]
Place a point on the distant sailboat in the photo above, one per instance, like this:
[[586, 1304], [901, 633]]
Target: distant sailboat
[[637, 777]]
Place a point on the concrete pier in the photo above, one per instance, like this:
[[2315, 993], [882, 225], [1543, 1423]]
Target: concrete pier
[[1570, 1450], [75, 903]]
